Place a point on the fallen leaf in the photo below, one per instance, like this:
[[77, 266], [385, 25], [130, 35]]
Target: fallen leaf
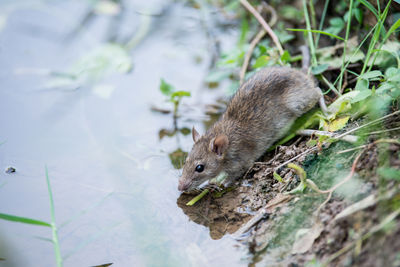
[[338, 123], [305, 238]]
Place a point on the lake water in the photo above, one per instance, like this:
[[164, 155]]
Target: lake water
[[114, 186]]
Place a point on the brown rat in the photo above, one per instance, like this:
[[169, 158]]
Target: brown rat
[[260, 113]]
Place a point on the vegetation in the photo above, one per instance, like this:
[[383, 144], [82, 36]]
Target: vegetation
[[355, 56]]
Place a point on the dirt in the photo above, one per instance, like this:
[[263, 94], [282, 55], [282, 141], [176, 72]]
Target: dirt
[[273, 237]]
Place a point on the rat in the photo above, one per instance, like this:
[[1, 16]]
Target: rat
[[259, 114]]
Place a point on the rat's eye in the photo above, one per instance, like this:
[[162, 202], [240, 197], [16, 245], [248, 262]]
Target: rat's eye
[[200, 168]]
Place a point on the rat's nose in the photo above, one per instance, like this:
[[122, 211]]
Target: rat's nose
[[183, 185]]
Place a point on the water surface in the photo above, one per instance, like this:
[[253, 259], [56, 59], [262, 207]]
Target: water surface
[[114, 187]]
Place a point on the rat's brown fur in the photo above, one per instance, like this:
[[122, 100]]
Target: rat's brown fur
[[260, 113]]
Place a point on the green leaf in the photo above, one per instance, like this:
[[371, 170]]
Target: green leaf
[[361, 85], [371, 74], [370, 7], [261, 62], [285, 58], [166, 88], [363, 94], [180, 94], [392, 29], [317, 31], [13, 218], [389, 173], [291, 13], [319, 69], [336, 26], [359, 15]]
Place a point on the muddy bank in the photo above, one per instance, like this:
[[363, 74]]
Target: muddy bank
[[307, 227]]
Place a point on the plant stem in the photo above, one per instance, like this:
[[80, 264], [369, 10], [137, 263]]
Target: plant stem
[[264, 24], [345, 43], [310, 36], [53, 224], [321, 24]]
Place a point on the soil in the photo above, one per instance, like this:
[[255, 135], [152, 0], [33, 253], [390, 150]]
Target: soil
[[288, 230]]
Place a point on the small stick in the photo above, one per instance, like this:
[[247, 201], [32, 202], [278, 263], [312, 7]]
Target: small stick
[[298, 156], [369, 123], [255, 41], [264, 24], [247, 58], [347, 138], [383, 131]]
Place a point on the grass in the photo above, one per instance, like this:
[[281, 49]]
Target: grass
[[52, 224], [56, 244]]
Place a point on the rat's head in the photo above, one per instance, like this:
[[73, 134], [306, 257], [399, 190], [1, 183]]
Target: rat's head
[[204, 162]]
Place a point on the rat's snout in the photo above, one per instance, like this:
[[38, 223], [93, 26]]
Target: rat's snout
[[183, 185]]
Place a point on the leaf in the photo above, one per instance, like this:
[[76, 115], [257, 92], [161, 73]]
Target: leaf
[[13, 218], [102, 61], [371, 74], [370, 7], [358, 14], [317, 31], [166, 88], [361, 85], [336, 26], [305, 238], [180, 94], [392, 29], [261, 62], [285, 58], [319, 69], [361, 96], [338, 124]]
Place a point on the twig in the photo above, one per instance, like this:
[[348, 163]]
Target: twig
[[347, 138], [383, 131], [264, 24], [247, 58], [367, 124], [351, 149], [296, 157], [256, 40]]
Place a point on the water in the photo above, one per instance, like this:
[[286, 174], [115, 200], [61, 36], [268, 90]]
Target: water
[[114, 187]]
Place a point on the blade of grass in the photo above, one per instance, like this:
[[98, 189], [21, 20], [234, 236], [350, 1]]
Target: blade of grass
[[321, 23], [19, 219], [316, 31], [370, 7], [309, 33], [345, 43], [197, 198], [355, 52], [377, 51], [53, 223], [375, 38], [313, 16]]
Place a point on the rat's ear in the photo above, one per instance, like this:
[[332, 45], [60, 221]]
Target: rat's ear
[[195, 135], [219, 144]]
